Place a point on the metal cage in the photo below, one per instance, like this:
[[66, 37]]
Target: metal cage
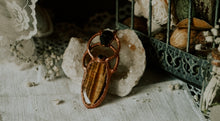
[[193, 69]]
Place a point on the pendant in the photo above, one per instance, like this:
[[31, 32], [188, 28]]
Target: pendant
[[97, 73]]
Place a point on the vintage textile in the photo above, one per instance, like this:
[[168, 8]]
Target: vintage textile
[[213, 86], [18, 22], [98, 71], [21, 20], [18, 19]]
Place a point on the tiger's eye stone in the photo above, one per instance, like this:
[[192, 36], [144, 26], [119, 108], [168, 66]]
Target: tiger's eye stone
[[94, 82], [106, 38]]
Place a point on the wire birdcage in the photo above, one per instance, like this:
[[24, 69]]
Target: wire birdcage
[[191, 68]]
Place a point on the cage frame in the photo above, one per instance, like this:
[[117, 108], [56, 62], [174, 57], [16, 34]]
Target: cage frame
[[190, 68]]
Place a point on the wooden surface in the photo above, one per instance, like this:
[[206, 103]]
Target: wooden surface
[[151, 100]]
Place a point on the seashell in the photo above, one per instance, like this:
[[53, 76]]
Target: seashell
[[197, 24], [178, 38]]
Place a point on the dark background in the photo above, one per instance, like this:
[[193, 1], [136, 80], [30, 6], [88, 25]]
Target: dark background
[[77, 11]]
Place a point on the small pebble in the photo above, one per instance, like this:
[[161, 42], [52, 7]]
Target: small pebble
[[51, 63], [209, 39], [171, 87], [177, 86], [55, 69], [57, 74], [214, 31], [217, 26], [196, 98], [53, 55], [31, 84], [206, 33], [217, 40], [198, 47], [50, 72], [58, 102]]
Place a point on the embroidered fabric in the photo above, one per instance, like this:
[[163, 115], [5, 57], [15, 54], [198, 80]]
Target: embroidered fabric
[[159, 11], [18, 22]]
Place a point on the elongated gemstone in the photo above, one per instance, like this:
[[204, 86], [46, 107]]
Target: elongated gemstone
[[94, 82]]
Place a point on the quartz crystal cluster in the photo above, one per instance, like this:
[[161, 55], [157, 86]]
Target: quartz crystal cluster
[[130, 69]]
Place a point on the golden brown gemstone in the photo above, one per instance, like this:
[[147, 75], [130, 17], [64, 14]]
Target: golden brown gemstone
[[94, 81]]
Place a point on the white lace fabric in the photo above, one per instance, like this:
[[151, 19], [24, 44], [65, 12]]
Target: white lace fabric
[[18, 20]]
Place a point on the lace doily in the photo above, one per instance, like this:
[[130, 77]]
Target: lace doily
[[18, 20]]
